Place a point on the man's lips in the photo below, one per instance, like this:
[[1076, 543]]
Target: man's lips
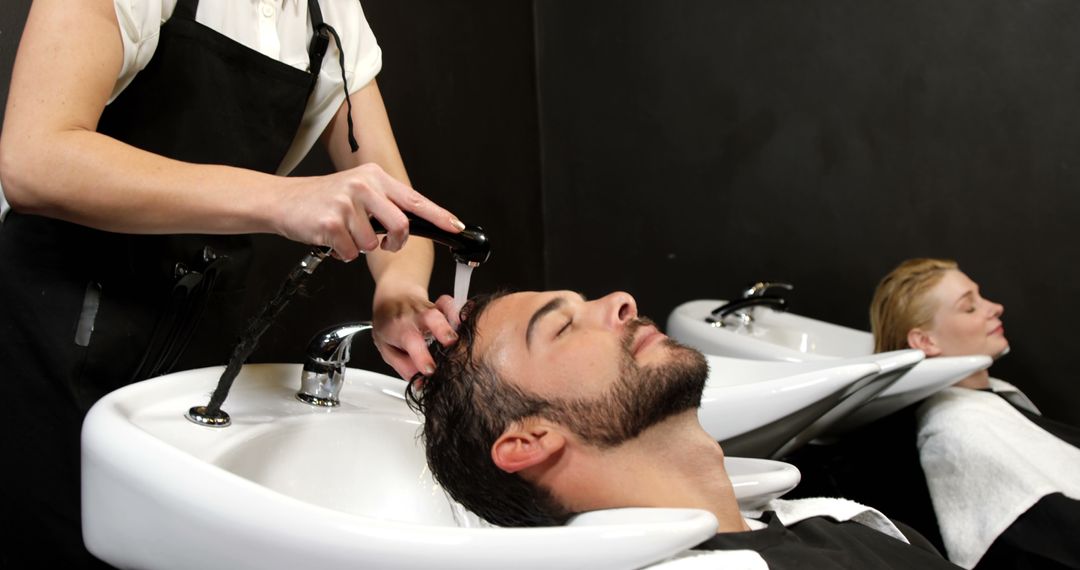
[[647, 336]]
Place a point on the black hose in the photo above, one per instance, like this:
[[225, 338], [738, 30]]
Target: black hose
[[262, 321]]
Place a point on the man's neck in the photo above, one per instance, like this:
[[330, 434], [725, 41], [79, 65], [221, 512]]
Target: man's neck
[[674, 464]]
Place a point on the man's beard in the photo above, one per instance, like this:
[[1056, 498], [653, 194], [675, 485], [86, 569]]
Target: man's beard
[[642, 397]]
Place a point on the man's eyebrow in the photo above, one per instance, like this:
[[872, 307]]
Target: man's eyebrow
[[550, 306]]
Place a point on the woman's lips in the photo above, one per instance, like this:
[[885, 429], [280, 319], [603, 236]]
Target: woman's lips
[[1000, 329]]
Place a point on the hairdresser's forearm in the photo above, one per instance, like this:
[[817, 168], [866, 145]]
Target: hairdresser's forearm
[[54, 163], [88, 178]]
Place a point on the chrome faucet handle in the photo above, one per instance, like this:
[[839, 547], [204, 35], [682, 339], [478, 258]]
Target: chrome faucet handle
[[324, 364], [761, 287]]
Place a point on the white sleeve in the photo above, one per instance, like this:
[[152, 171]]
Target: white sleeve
[[366, 56], [140, 24]]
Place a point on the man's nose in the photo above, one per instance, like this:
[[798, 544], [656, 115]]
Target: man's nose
[[617, 308]]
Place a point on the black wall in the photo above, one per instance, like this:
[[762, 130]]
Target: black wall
[[11, 22], [681, 149], [705, 144]]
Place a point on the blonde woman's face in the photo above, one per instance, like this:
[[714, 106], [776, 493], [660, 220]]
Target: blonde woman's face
[[965, 322]]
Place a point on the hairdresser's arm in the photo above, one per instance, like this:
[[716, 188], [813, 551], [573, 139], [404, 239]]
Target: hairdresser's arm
[[402, 313], [54, 163]]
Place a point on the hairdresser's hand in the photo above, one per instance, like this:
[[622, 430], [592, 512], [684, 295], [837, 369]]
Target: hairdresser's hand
[[334, 210], [404, 319]]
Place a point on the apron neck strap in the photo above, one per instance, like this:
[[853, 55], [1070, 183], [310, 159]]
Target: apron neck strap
[[319, 39], [315, 13], [186, 9]]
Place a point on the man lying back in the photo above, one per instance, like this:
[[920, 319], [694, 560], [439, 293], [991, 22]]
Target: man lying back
[[550, 405]]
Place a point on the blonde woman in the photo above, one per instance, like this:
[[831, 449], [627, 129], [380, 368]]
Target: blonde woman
[[1003, 479]]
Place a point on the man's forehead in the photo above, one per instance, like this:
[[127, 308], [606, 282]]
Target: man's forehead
[[505, 316], [500, 331]]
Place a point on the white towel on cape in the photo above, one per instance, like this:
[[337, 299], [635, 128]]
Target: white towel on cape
[[986, 464]]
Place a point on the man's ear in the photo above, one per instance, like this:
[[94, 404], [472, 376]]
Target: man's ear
[[924, 341], [525, 445]]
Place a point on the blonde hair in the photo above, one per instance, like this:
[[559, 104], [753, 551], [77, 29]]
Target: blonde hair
[[900, 301]]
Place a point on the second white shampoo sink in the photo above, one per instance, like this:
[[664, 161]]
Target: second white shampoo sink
[[758, 408], [783, 336]]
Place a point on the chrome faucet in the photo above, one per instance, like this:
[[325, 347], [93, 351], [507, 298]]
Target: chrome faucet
[[324, 364], [328, 351], [737, 312]]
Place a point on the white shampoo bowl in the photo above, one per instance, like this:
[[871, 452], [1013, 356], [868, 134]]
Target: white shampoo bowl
[[292, 486], [758, 408], [783, 336]]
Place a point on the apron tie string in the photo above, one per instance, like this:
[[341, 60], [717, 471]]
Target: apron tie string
[[323, 28]]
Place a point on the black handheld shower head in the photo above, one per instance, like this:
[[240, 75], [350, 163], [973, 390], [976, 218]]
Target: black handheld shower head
[[470, 246]]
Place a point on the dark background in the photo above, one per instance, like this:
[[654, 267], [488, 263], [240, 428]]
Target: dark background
[[682, 149]]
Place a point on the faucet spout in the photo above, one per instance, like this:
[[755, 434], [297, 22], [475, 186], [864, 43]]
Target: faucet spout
[[324, 364], [328, 351], [738, 312], [740, 309], [762, 287]]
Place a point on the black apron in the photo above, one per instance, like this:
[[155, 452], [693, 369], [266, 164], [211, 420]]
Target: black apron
[[83, 311]]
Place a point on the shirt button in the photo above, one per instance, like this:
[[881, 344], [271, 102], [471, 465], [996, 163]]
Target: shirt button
[[267, 10]]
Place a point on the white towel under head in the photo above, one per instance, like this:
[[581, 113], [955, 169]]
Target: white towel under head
[[986, 464], [793, 511]]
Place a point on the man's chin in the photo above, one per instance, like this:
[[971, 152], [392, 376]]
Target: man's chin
[[643, 397], [688, 372]]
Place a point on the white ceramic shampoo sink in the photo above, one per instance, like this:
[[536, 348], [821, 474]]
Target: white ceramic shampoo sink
[[783, 336], [291, 486], [758, 408]]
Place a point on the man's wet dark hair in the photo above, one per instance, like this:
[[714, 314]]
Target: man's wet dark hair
[[466, 407]]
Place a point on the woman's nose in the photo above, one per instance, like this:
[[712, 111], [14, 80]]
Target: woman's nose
[[617, 308], [996, 309]]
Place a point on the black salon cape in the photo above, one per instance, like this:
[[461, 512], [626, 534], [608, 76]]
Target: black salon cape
[[1034, 540], [822, 543]]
